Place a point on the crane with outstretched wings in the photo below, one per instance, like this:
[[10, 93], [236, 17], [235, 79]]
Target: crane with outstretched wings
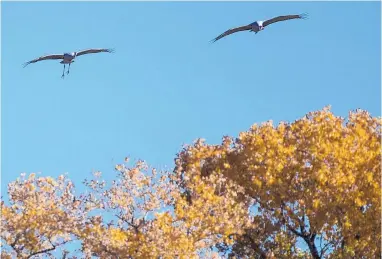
[[68, 58], [260, 25]]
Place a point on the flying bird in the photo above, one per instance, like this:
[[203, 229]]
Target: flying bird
[[68, 58], [259, 25]]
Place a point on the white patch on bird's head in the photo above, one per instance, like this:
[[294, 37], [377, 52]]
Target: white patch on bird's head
[[260, 24]]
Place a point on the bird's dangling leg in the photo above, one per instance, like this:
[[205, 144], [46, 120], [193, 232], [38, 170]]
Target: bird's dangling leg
[[68, 69], [63, 73]]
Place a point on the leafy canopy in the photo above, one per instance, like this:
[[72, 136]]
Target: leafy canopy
[[306, 189]]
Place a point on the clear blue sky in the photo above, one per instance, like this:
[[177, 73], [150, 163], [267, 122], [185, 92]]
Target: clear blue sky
[[166, 85]]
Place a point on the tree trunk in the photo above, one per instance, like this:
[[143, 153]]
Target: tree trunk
[[312, 246]]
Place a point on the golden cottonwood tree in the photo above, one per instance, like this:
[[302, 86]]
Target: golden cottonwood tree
[[316, 180], [154, 220], [141, 214], [42, 216]]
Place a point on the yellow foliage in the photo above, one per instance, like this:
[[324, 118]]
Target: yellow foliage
[[316, 179], [38, 218], [319, 170]]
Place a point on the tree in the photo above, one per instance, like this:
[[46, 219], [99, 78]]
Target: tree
[[42, 216], [155, 220], [316, 180]]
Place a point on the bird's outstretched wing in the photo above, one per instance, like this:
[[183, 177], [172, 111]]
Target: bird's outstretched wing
[[53, 56], [284, 18], [233, 30], [89, 51]]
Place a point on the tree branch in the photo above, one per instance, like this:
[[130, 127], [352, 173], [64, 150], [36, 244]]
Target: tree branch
[[256, 247], [131, 224], [43, 251], [48, 249]]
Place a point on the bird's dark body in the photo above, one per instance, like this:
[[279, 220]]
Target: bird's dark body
[[256, 27], [68, 58]]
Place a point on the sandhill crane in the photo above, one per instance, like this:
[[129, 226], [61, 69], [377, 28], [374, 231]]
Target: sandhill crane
[[68, 58], [260, 25]]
